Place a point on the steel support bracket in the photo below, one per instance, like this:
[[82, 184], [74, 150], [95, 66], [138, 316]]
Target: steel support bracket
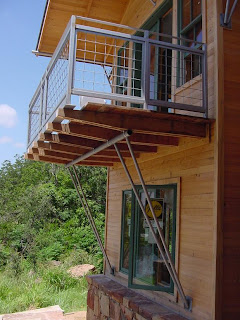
[[189, 307], [227, 25], [112, 271]]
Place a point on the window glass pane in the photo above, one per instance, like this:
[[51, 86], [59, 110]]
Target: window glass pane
[[186, 13], [148, 266], [123, 64], [198, 32], [166, 26], [196, 8], [188, 67], [126, 229], [190, 36]]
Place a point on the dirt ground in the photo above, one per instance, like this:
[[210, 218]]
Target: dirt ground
[[50, 313], [81, 315]]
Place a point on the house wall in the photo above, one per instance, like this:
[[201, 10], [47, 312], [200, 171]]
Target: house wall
[[230, 302], [191, 165]]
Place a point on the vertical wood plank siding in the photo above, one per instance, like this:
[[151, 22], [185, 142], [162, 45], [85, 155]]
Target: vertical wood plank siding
[[191, 163], [231, 216]]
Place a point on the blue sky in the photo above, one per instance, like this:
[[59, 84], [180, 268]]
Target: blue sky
[[20, 70]]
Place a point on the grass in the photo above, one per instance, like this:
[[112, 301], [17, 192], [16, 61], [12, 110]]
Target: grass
[[45, 287]]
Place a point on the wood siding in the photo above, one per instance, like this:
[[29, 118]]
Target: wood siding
[[191, 163], [231, 216]]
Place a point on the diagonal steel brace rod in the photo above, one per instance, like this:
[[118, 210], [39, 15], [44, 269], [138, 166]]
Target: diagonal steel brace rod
[[166, 255], [232, 10], [225, 18], [87, 210]]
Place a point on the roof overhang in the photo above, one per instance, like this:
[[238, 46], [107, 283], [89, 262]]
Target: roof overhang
[[57, 14]]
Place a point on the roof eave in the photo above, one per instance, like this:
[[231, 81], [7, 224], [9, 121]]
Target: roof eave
[[42, 24]]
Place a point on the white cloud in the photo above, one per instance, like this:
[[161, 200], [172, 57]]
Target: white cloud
[[19, 145], [8, 116], [5, 139]]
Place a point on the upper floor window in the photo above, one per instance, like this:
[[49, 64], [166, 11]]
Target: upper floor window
[[190, 28]]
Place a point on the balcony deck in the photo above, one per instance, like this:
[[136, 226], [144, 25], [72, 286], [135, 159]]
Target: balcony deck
[[75, 132], [105, 78]]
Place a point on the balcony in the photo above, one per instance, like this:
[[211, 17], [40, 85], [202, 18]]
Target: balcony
[[111, 66]]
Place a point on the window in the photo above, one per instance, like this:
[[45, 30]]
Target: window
[[140, 257], [129, 65], [160, 64], [161, 61], [126, 224], [122, 71], [190, 28]]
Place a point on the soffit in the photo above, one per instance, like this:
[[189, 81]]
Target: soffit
[[58, 13]]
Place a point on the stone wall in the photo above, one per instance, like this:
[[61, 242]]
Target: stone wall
[[107, 299]]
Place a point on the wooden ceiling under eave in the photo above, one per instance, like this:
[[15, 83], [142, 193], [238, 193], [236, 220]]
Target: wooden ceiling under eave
[[58, 13]]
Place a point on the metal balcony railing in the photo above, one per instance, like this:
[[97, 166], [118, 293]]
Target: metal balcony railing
[[110, 63]]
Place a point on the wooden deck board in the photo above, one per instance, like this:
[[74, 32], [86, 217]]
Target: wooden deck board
[[74, 132]]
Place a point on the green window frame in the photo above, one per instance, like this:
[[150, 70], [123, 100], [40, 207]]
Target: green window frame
[[122, 72], [143, 252], [190, 28], [152, 24], [127, 201]]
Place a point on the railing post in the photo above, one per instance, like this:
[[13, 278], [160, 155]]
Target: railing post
[[204, 81], [71, 59], [41, 104], [45, 96], [29, 124], [146, 69]]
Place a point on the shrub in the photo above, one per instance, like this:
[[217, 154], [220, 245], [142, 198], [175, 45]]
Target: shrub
[[59, 279]]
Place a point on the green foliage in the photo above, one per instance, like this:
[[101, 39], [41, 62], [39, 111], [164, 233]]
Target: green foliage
[[41, 219], [41, 289], [59, 279]]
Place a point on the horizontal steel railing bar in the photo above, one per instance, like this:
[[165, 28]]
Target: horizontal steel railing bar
[[107, 96], [124, 36], [174, 37], [113, 24], [176, 105], [102, 147], [133, 29], [177, 47], [113, 34]]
